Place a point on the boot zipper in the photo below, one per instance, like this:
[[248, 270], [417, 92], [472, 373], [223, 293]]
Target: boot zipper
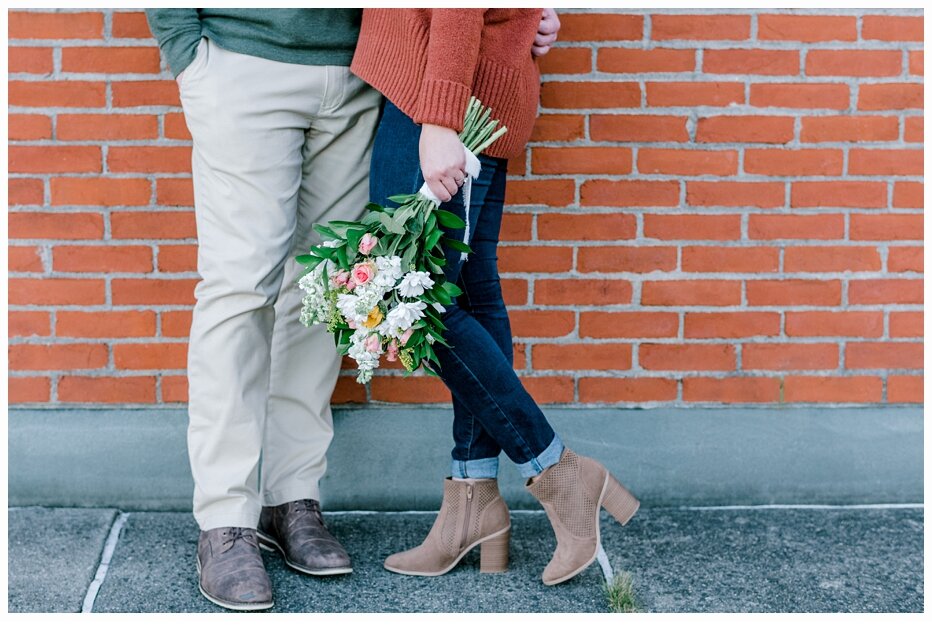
[[468, 514]]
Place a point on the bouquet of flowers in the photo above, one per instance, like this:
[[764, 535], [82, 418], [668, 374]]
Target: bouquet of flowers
[[378, 283]]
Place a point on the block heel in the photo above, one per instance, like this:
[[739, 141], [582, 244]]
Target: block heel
[[493, 554], [618, 501]]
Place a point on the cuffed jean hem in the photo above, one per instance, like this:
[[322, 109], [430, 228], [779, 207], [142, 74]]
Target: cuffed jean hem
[[475, 468], [548, 458], [249, 520], [293, 493]]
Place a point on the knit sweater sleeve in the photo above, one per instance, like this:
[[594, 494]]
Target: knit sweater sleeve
[[452, 56], [178, 32]]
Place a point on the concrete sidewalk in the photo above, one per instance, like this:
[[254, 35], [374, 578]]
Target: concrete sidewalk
[[681, 560]]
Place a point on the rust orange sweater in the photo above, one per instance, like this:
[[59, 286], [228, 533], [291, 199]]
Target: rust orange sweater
[[429, 61]]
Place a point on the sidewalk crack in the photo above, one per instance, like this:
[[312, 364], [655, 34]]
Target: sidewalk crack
[[112, 539]]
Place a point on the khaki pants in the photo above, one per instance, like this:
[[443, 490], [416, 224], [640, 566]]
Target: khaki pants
[[277, 147]]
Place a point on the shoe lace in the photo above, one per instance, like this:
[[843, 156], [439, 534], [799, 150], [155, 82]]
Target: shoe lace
[[310, 506], [232, 534]]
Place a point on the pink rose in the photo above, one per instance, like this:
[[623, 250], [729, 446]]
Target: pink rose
[[351, 323], [363, 273], [405, 336], [373, 344], [366, 243], [391, 352], [340, 279], [350, 285]]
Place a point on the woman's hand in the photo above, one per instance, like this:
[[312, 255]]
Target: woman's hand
[[443, 162], [546, 33]]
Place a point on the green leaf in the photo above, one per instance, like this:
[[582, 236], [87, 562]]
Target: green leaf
[[342, 259], [305, 259], [459, 246], [432, 238], [353, 236], [400, 199], [374, 207], [448, 219], [326, 231], [452, 289], [390, 224]]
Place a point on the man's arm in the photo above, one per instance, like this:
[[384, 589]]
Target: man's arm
[[178, 32]]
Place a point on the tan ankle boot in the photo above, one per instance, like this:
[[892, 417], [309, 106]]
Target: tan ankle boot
[[472, 513], [572, 492]]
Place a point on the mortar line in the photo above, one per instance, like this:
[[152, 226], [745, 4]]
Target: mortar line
[[105, 557]]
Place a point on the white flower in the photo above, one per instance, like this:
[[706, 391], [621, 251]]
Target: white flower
[[404, 315], [389, 270], [331, 243], [414, 283]]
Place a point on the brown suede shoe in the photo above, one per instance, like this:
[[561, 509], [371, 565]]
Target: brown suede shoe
[[297, 531], [230, 569]]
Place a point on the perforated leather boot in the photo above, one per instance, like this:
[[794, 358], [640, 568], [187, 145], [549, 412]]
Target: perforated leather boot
[[472, 513], [572, 491]]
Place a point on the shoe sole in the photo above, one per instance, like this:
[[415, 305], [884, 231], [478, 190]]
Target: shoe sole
[[455, 562], [226, 604], [598, 533], [270, 544]]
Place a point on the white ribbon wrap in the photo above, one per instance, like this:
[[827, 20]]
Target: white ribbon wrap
[[473, 166]]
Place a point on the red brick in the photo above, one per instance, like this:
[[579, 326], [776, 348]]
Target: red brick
[[907, 195], [698, 325], [100, 191], [104, 324], [541, 192], [796, 226], [174, 192], [29, 127], [175, 389], [150, 356], [584, 95], [750, 61], [106, 389], [107, 127], [904, 259], [600, 356], [730, 259], [348, 391], [913, 131], [609, 390], [525, 323], [32, 324], [885, 227], [736, 194], [866, 355], [794, 291], [885, 291], [56, 225], [630, 193], [517, 166], [701, 27], [70, 291], [834, 324], [628, 325], [175, 127], [580, 292], [130, 25], [28, 389], [110, 59], [807, 28], [800, 95], [24, 259], [30, 60], [916, 65], [22, 192], [514, 291], [585, 227], [822, 389], [742, 389], [535, 259], [885, 162], [54, 159], [149, 159], [690, 94], [139, 93], [789, 356], [904, 389], [152, 291], [906, 324], [566, 61], [40, 25], [57, 93], [516, 227], [841, 194], [176, 323], [771, 129], [831, 258], [637, 128], [687, 162], [892, 28], [558, 128], [854, 63], [126, 258], [550, 389], [409, 389], [153, 225], [58, 356], [691, 292], [595, 27], [175, 258], [686, 356], [786, 162], [890, 96], [719, 227], [559, 161], [849, 128], [634, 259], [634, 60]]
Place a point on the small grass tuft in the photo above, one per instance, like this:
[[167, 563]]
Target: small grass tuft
[[620, 593]]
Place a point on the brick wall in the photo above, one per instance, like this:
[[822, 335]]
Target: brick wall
[[714, 209]]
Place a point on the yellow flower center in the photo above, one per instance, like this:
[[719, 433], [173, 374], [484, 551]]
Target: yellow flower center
[[374, 318]]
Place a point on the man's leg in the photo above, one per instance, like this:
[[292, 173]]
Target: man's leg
[[305, 364]]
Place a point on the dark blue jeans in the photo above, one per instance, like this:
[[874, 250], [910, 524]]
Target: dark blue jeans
[[492, 412]]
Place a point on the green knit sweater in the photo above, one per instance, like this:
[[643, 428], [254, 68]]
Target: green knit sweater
[[313, 37]]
